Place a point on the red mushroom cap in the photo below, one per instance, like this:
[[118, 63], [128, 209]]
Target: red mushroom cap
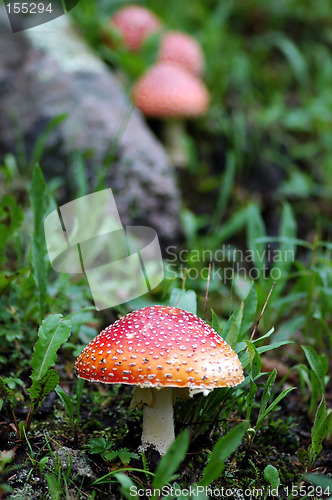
[[135, 24], [160, 346], [168, 91], [182, 49]]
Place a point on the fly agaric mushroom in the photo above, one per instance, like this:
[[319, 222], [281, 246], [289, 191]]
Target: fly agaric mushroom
[[135, 24], [181, 48], [168, 91], [165, 352]]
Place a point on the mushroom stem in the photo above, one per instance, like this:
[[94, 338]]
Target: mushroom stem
[[158, 425], [174, 137]]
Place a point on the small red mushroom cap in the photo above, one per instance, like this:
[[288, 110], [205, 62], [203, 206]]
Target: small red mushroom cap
[[135, 24], [168, 91], [160, 346], [181, 48]]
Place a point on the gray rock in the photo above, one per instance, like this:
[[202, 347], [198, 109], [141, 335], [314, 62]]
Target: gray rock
[[76, 461], [47, 71]]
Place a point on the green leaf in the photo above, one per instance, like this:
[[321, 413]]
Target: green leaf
[[172, 459], [224, 447], [315, 362], [4, 389], [190, 226], [11, 217], [318, 371], [54, 485], [263, 337], [125, 455], [323, 481], [215, 322], [38, 200], [319, 418], [302, 456], [271, 475], [275, 345], [98, 445], [6, 279], [42, 463], [321, 428], [317, 391], [255, 361], [53, 332], [184, 299], [108, 455], [42, 387]]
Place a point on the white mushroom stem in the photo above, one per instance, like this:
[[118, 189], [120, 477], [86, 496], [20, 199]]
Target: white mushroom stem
[[158, 424], [174, 137]]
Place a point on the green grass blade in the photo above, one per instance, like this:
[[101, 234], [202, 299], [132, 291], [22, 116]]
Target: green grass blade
[[127, 488], [274, 404], [267, 393], [232, 328], [42, 139], [249, 311], [38, 200], [66, 401], [255, 231], [285, 256], [224, 447], [225, 190], [170, 462]]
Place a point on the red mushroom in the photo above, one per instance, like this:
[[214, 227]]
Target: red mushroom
[[168, 91], [160, 350], [181, 48], [135, 24]]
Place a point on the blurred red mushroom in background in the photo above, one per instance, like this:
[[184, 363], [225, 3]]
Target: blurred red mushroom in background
[[181, 48], [165, 352], [171, 93], [135, 23]]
